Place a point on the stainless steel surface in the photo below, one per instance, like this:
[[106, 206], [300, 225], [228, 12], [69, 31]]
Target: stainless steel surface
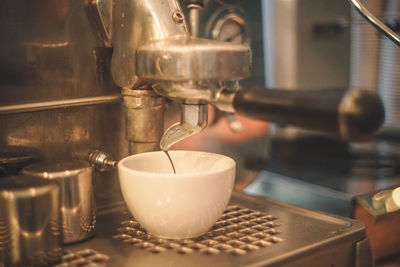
[[33, 242], [243, 237], [77, 205], [84, 257], [136, 23], [298, 192], [188, 70], [190, 59], [325, 175], [51, 55], [239, 231], [376, 22], [231, 27], [195, 8], [144, 111], [194, 119], [101, 161], [56, 104]]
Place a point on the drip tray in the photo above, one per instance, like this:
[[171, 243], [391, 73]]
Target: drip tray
[[238, 231], [252, 231]]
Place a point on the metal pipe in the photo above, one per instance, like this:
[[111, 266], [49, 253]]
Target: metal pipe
[[194, 6], [377, 23], [144, 119], [56, 104]]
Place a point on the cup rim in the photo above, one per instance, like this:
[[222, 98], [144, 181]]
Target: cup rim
[[121, 166]]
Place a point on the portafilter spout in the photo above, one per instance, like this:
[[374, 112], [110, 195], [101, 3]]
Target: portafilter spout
[[193, 120]]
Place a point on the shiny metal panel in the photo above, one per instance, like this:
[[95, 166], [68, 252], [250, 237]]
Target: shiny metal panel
[[189, 59], [66, 133], [51, 52], [33, 242], [136, 22], [56, 89], [77, 207]]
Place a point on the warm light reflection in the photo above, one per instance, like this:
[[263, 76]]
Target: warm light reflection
[[46, 45]]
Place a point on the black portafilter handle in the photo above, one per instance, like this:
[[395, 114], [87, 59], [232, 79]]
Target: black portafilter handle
[[353, 114]]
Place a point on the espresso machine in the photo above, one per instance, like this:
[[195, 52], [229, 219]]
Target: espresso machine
[[77, 76]]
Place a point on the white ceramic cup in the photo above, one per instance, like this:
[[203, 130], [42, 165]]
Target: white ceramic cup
[[181, 205]]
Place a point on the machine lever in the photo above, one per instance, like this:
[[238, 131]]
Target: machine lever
[[354, 114]]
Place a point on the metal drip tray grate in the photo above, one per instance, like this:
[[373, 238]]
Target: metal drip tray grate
[[238, 231], [85, 257], [252, 232]]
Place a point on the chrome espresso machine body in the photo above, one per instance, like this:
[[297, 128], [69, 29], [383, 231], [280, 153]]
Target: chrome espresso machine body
[[82, 75]]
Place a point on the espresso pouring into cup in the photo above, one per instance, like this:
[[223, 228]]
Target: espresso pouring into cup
[[181, 205], [172, 205]]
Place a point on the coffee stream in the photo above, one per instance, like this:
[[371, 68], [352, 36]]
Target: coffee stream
[[170, 160]]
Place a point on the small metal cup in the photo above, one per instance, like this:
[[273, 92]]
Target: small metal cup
[[76, 192], [30, 225]]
